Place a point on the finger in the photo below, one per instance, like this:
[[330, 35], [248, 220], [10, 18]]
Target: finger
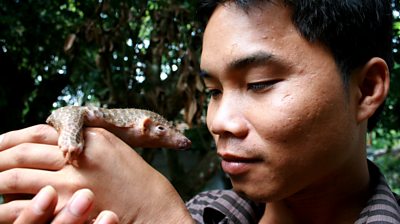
[[40, 209], [107, 217], [32, 155], [44, 134], [10, 211], [77, 209], [26, 181]]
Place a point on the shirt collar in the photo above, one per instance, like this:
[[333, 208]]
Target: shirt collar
[[382, 206], [229, 207]]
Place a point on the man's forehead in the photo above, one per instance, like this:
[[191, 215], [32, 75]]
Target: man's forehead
[[234, 38], [230, 18]]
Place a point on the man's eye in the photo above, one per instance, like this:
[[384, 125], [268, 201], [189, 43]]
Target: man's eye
[[260, 86], [213, 93]]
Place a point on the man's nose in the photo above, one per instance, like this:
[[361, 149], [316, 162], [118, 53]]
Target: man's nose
[[228, 117]]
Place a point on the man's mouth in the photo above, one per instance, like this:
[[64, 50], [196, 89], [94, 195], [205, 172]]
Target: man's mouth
[[236, 165]]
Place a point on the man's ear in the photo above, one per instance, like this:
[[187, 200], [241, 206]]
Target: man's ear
[[373, 86]]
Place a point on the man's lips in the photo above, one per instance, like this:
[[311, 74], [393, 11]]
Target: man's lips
[[235, 165], [232, 158]]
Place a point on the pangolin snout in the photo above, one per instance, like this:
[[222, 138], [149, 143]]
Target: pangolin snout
[[184, 143]]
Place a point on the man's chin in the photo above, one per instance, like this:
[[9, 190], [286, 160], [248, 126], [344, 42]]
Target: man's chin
[[255, 194]]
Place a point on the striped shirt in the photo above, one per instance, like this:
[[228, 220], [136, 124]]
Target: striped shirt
[[227, 207]]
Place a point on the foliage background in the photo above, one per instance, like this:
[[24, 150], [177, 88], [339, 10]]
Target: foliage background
[[144, 54]]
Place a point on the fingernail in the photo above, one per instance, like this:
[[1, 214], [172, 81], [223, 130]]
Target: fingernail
[[81, 202], [105, 218], [42, 200], [1, 138], [101, 219]]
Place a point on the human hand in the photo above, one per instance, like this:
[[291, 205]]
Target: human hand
[[41, 209], [121, 180]]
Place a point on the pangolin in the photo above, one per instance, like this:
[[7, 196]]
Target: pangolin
[[144, 128]]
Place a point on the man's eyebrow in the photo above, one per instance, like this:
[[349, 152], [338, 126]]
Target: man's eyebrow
[[254, 59], [258, 58]]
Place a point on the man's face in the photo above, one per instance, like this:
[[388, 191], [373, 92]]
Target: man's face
[[278, 112]]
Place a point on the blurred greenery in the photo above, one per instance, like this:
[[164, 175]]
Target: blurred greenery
[[144, 54]]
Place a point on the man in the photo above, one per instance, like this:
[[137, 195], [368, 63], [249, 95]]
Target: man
[[293, 87]]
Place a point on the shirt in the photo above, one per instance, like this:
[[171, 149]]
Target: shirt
[[227, 207]]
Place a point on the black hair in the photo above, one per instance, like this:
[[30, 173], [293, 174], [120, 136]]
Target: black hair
[[353, 30]]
